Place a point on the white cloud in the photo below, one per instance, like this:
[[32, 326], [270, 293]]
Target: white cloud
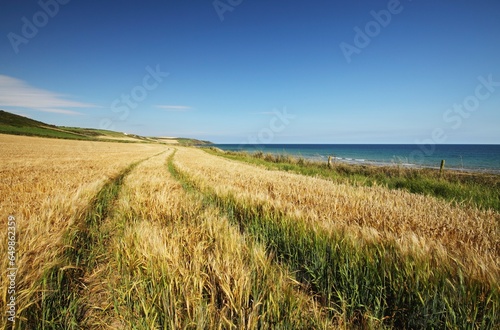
[[267, 113], [17, 93], [173, 107], [61, 111]]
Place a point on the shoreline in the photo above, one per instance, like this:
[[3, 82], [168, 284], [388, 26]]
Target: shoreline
[[361, 161], [477, 188]]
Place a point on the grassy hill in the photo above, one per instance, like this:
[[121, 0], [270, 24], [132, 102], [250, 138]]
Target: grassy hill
[[19, 125], [14, 124]]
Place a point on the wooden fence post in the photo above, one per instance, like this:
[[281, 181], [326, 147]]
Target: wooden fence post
[[441, 168]]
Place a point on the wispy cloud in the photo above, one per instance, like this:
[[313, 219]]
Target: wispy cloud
[[61, 111], [17, 93], [267, 113], [173, 107]]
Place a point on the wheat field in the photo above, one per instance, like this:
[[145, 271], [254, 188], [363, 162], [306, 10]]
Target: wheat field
[[415, 222], [149, 236]]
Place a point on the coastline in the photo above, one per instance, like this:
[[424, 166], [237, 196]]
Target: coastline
[[364, 162], [383, 155]]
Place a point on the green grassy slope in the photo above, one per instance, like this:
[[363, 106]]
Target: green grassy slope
[[14, 124]]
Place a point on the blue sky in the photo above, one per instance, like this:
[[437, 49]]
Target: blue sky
[[236, 71]]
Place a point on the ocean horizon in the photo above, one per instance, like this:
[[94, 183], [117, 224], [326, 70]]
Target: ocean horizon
[[469, 157]]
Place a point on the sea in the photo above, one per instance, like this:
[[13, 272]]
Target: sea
[[467, 157]]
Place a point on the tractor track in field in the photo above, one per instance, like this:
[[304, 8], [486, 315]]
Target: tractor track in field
[[63, 295]]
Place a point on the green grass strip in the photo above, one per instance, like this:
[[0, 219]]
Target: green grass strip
[[475, 189]]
